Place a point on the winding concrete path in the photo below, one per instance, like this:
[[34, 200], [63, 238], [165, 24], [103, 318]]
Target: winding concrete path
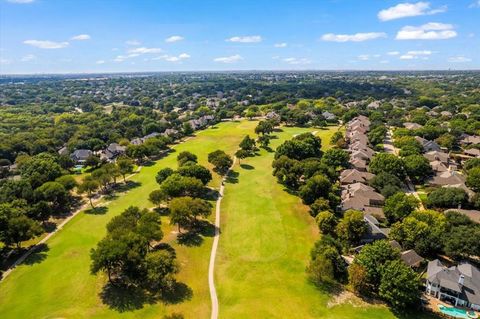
[[213, 253]]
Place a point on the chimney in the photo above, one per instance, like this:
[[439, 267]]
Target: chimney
[[461, 280]]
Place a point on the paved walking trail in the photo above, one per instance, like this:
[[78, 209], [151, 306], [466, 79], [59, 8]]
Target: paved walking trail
[[213, 253]]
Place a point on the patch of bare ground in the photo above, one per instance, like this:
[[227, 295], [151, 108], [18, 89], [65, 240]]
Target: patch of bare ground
[[346, 297]]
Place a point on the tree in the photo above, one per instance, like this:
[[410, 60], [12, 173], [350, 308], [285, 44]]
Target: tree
[[389, 163], [336, 137], [187, 128], [54, 193], [185, 157], [241, 154], [357, 279], [92, 161], [89, 186], [315, 187], [447, 197], [326, 222], [399, 285], [351, 227], [125, 166], [473, 179], [417, 168], [386, 183], [161, 266], [157, 197], [264, 140], [163, 174], [248, 144], [373, 257], [138, 152], [300, 147], [177, 185], [319, 205], [40, 169], [471, 163], [180, 213], [264, 127], [462, 241], [336, 158], [21, 228], [221, 161], [320, 271], [200, 172], [67, 181], [399, 206]]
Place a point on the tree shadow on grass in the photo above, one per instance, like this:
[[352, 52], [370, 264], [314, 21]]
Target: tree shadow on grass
[[232, 177], [190, 239], [162, 211], [49, 226], [121, 297], [247, 166], [210, 194], [99, 210], [180, 292], [205, 228], [277, 129], [127, 186], [39, 255]]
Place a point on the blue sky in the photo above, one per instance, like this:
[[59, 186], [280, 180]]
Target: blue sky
[[63, 36]]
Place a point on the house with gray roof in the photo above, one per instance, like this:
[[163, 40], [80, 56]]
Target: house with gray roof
[[437, 156], [411, 258], [81, 155], [447, 178], [459, 285], [350, 176], [427, 145]]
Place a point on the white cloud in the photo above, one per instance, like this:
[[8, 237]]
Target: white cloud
[[172, 58], [297, 61], [143, 50], [21, 1], [133, 42], [403, 10], [229, 59], [245, 39], [280, 45], [429, 31], [5, 61], [393, 53], [100, 62], [411, 55], [28, 57], [363, 57], [475, 4], [459, 59], [174, 38], [357, 37], [81, 37], [121, 58], [45, 44]]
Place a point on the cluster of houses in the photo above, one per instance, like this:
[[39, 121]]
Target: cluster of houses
[[201, 122], [356, 194]]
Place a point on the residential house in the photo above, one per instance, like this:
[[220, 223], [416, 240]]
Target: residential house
[[329, 116], [350, 176], [112, 152], [359, 164], [427, 145], [472, 152], [459, 285], [361, 197], [438, 167], [411, 258], [374, 231], [63, 151], [412, 126], [447, 178], [470, 139], [437, 156], [81, 155]]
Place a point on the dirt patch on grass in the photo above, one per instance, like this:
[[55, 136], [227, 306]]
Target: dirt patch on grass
[[347, 297]]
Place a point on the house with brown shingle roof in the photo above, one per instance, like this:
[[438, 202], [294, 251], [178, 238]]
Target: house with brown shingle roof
[[447, 178], [350, 176], [437, 156]]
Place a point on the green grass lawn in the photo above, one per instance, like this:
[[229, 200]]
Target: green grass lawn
[[56, 283], [266, 237]]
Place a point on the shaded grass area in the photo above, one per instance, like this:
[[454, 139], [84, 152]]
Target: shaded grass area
[[264, 248], [55, 282]]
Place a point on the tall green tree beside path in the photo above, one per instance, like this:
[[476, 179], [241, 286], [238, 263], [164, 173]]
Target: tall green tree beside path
[[241, 154], [157, 197], [221, 160], [89, 186], [125, 165], [248, 144], [399, 285]]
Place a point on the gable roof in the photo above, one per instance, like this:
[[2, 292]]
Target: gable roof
[[350, 176], [411, 258], [437, 156]]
